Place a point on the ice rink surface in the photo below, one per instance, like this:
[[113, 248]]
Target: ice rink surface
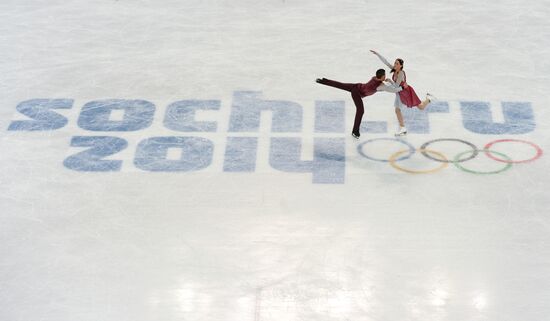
[[175, 160]]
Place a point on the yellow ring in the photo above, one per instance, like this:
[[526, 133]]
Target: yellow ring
[[396, 155]]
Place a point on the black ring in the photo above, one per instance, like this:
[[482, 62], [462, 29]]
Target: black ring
[[474, 148]]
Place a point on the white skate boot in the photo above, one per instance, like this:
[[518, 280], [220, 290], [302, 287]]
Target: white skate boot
[[401, 132]]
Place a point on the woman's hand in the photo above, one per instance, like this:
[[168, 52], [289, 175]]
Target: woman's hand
[[404, 85]]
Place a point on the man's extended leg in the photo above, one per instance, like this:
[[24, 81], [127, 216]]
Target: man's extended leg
[[336, 84], [355, 95]]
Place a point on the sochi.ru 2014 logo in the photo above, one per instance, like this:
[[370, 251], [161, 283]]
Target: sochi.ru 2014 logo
[[327, 165]]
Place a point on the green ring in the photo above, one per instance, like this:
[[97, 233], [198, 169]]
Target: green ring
[[458, 164]]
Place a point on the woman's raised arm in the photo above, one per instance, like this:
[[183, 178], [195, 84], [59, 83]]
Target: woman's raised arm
[[382, 58]]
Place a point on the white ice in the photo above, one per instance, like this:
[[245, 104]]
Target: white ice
[[270, 245]]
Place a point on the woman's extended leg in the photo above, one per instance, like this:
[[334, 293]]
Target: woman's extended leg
[[424, 104]]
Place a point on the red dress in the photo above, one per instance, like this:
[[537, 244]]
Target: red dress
[[407, 95]]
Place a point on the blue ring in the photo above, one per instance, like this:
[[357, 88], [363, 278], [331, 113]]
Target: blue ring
[[412, 150]]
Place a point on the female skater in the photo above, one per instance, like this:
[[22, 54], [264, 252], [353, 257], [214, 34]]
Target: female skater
[[358, 91], [407, 97]]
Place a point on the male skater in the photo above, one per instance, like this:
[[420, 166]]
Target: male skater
[[358, 91]]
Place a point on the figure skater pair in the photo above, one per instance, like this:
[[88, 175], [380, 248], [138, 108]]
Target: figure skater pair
[[405, 96]]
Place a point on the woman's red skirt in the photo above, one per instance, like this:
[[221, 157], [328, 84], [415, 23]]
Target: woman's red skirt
[[409, 97]]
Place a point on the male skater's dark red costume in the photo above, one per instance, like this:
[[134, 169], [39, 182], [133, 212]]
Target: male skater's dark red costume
[[358, 91]]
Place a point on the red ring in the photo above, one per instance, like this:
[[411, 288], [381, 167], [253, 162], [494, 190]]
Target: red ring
[[488, 152]]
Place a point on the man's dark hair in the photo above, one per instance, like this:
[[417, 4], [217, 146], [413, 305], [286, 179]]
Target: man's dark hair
[[380, 73]]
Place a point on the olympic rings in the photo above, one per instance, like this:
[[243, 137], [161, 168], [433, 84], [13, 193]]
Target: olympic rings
[[537, 148], [507, 166], [360, 149], [444, 162], [456, 160]]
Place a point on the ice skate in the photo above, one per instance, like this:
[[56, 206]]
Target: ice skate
[[401, 132], [430, 97]]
